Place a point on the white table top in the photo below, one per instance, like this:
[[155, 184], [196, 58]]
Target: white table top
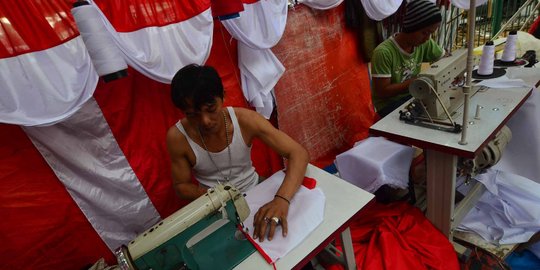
[[498, 106], [343, 200]]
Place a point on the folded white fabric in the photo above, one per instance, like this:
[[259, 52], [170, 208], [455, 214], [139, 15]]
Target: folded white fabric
[[374, 162], [506, 212], [306, 212]]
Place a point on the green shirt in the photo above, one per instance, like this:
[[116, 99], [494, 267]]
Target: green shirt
[[391, 61]]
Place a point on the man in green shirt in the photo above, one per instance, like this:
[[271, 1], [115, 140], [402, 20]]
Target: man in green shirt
[[396, 61]]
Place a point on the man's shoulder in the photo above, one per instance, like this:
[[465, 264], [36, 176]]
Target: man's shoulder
[[173, 133], [387, 45], [385, 51], [248, 119], [244, 114]]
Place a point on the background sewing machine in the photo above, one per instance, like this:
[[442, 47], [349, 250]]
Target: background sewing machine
[[202, 235], [438, 93], [443, 149]]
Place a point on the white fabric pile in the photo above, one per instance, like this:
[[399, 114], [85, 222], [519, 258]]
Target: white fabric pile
[[374, 162], [507, 212]]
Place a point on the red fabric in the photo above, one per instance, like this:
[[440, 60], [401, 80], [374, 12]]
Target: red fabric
[[226, 7], [398, 236], [256, 245], [534, 27], [323, 98], [144, 13], [42, 226], [21, 20]]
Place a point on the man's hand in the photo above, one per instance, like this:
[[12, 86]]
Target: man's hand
[[269, 216]]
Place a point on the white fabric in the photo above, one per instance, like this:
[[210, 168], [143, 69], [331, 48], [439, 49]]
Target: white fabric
[[374, 162], [45, 87], [380, 9], [241, 170], [159, 52], [465, 4], [86, 158], [260, 70], [503, 82], [258, 29], [506, 213], [321, 4], [522, 154], [306, 212]]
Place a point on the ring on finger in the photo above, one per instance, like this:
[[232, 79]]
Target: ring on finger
[[276, 220]]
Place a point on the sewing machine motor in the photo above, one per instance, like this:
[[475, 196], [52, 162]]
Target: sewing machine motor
[[202, 235]]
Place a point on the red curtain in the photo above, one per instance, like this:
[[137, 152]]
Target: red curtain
[[28, 26], [131, 15], [42, 227]]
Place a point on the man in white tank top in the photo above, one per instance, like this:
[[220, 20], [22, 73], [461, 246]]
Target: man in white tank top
[[214, 143]]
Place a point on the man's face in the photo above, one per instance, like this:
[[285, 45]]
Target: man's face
[[208, 118], [423, 35]]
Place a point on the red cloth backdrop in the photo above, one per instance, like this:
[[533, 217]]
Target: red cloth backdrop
[[42, 227], [324, 98]]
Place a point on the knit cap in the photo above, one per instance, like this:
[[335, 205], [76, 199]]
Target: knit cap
[[419, 14]]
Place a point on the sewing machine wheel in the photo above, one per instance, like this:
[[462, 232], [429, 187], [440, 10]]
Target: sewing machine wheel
[[421, 87]]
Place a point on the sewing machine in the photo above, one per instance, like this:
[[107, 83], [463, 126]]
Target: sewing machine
[[202, 235], [438, 93]]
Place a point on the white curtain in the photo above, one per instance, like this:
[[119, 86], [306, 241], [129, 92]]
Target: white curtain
[[45, 87], [321, 4], [258, 29], [380, 9], [159, 52]]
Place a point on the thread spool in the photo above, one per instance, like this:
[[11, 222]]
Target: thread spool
[[105, 54], [509, 53], [487, 59]]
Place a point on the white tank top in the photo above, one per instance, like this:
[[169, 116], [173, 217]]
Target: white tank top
[[243, 175]]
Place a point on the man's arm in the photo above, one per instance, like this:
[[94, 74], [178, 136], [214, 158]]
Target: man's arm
[[384, 88], [178, 147], [382, 65], [297, 156]]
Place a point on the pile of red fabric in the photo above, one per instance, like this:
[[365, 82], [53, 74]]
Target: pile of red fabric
[[398, 236]]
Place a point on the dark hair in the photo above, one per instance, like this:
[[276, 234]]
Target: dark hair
[[196, 84]]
